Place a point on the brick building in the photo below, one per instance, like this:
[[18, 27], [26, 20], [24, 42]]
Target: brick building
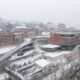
[[33, 32], [18, 38], [27, 32], [6, 38], [20, 29], [65, 38]]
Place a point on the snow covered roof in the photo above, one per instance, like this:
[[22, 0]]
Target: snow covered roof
[[50, 46], [46, 33], [56, 54], [17, 33], [27, 39], [21, 27], [41, 36], [68, 33], [42, 62]]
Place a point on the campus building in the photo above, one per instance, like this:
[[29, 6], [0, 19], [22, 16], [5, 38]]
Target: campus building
[[65, 38], [6, 38], [27, 32]]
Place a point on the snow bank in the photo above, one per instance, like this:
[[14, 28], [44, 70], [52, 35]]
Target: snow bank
[[55, 54]]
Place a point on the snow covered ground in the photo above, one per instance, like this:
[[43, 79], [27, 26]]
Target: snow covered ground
[[25, 54], [27, 60], [4, 76], [6, 49], [55, 54], [61, 62]]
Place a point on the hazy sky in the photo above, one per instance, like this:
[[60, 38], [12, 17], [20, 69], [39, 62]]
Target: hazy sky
[[56, 11]]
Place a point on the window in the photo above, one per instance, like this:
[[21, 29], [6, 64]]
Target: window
[[67, 35]]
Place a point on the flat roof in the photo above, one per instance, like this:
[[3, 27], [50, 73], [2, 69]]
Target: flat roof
[[41, 36], [27, 39], [46, 33], [68, 33], [50, 46], [18, 33], [42, 62], [21, 27], [56, 54]]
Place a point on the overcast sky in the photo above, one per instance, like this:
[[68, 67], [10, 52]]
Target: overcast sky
[[56, 11]]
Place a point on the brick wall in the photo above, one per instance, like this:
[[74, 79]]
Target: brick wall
[[64, 39], [29, 31], [6, 38]]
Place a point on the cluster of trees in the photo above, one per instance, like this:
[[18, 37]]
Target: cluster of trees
[[8, 26]]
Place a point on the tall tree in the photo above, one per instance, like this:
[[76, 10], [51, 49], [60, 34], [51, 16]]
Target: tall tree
[[8, 27]]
